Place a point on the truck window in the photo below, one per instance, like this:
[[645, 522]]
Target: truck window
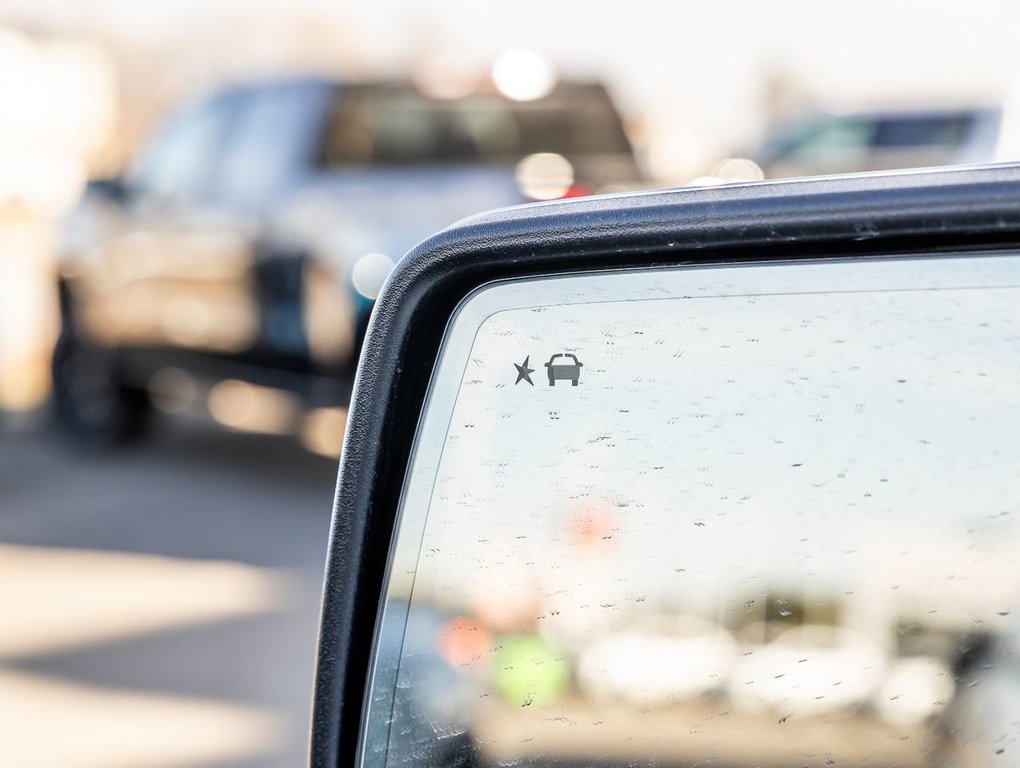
[[397, 125], [267, 142], [180, 161], [945, 130]]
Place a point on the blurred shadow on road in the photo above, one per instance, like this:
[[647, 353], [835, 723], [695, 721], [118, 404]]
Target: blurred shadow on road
[[195, 660], [191, 489], [155, 668]]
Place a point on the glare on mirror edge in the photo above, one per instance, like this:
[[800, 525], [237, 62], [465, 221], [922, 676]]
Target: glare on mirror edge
[[764, 516]]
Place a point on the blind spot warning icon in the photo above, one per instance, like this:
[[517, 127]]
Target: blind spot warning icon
[[564, 370], [524, 372]]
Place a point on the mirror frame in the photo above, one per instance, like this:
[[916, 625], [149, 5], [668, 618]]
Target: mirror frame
[[888, 214]]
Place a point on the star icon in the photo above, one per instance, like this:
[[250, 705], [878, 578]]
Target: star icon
[[524, 372]]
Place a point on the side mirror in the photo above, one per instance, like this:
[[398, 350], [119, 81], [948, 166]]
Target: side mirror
[[773, 520]]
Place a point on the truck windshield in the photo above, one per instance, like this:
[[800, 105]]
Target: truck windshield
[[398, 125]]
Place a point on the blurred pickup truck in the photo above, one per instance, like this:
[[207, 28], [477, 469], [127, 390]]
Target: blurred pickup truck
[[250, 238], [886, 140]]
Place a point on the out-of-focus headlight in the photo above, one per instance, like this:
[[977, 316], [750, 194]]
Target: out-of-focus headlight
[[370, 272]]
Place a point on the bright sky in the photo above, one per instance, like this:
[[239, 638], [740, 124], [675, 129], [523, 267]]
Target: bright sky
[[704, 59], [695, 79]]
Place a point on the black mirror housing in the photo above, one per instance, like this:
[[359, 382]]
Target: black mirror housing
[[888, 215]]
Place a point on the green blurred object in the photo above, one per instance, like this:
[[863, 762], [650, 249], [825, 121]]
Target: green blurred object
[[527, 670]]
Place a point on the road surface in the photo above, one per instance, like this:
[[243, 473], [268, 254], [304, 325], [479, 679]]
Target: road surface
[[160, 603]]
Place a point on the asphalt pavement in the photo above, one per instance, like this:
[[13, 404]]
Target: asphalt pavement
[[159, 602]]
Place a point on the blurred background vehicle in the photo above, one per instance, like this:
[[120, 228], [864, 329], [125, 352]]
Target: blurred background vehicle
[[880, 141], [198, 553], [248, 241]]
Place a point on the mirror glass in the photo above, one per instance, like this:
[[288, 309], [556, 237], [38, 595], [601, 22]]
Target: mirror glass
[[747, 515]]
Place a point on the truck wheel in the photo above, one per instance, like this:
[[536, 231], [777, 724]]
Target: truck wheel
[[91, 402]]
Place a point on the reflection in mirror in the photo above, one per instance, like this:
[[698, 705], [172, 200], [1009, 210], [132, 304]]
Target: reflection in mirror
[[762, 515]]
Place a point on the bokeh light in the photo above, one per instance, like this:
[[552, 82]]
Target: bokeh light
[[523, 75]]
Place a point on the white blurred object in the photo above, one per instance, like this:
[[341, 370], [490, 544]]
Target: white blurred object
[[732, 170], [544, 176], [523, 75], [736, 169], [370, 272], [447, 75], [814, 668], [1007, 143], [915, 689], [57, 108], [668, 658]]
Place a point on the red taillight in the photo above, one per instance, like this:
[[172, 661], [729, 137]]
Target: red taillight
[[574, 190], [578, 190]]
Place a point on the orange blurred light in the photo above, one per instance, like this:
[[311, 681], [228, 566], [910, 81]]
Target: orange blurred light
[[462, 642], [250, 408], [323, 431]]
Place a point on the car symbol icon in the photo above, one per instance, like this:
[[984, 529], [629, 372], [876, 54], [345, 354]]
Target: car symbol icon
[[564, 370]]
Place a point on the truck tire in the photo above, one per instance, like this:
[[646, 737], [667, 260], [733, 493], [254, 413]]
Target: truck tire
[[91, 402]]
